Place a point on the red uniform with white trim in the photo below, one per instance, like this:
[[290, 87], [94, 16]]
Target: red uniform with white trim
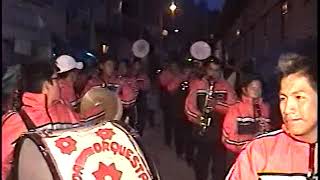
[[68, 93], [242, 112], [174, 84], [92, 82], [127, 87], [164, 78], [35, 107], [202, 85], [275, 155], [143, 82]]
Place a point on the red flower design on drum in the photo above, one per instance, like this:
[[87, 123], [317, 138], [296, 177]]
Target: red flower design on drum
[[105, 171], [66, 145], [105, 133]]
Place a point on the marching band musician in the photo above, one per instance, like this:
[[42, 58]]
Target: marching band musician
[[247, 118], [164, 79], [106, 76], [42, 106], [209, 146], [129, 105], [144, 85], [179, 88], [291, 152], [68, 70]]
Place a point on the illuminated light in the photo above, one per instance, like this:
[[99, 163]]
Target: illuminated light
[[89, 54], [238, 32], [176, 30], [172, 7], [284, 8], [189, 59], [165, 32], [104, 48]]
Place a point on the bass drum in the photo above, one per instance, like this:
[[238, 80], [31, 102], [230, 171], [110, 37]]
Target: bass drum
[[106, 99], [105, 150]]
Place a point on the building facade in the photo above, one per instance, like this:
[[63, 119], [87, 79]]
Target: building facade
[[28, 28], [267, 28]]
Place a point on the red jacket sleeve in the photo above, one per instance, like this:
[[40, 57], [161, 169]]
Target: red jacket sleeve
[[191, 108], [174, 84], [230, 137], [250, 160], [62, 113], [143, 82], [12, 128], [127, 93], [222, 107]]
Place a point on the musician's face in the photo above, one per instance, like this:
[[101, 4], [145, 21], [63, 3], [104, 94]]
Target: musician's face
[[108, 68], [214, 71], [123, 68], [298, 105], [253, 90], [137, 66], [174, 67]]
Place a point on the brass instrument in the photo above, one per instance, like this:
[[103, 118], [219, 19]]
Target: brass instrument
[[206, 119], [257, 117], [184, 85]]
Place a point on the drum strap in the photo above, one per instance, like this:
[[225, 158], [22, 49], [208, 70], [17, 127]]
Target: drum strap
[[27, 121]]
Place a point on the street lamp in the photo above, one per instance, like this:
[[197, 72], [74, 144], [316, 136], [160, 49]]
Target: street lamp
[[172, 7]]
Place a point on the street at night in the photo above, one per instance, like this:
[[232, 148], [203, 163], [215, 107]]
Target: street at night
[[159, 90]]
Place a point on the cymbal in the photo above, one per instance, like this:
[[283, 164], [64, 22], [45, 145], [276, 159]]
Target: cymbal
[[108, 100]]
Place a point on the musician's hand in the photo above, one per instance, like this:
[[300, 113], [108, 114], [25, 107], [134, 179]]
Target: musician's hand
[[199, 120], [264, 124]]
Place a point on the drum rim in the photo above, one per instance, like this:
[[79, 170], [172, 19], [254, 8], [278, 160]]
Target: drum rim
[[146, 160], [35, 137]]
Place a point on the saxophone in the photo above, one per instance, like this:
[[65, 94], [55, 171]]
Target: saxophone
[[206, 119]]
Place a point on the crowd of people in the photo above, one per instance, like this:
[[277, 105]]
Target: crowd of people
[[217, 127]]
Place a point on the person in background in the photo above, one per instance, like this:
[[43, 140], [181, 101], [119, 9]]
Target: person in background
[[164, 79], [42, 108], [179, 88], [209, 145], [144, 85], [292, 150], [68, 71], [130, 112], [247, 118]]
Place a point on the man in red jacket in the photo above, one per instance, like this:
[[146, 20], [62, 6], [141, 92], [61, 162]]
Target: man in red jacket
[[166, 76], [223, 95], [107, 76], [143, 85], [68, 70], [292, 151], [41, 103], [247, 118]]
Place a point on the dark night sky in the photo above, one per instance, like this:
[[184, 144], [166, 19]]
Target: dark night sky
[[214, 4]]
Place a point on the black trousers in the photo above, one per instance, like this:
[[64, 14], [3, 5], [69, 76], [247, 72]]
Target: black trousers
[[210, 152], [168, 119], [131, 113], [143, 112], [183, 138]]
